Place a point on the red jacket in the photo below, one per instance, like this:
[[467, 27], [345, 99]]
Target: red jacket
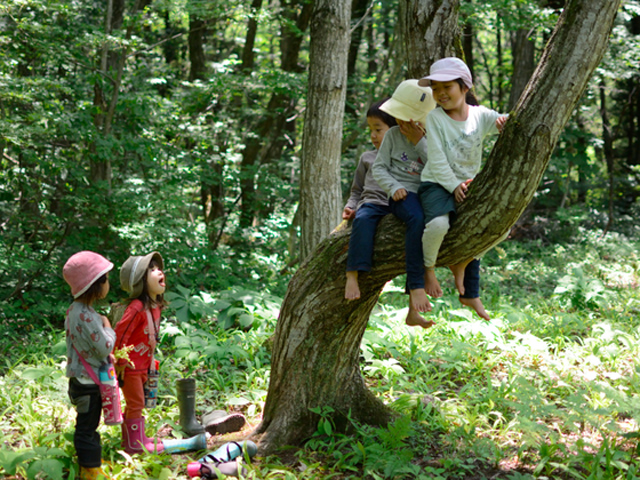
[[135, 329]]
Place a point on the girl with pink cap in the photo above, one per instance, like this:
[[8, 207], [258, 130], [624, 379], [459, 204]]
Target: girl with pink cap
[[89, 335]]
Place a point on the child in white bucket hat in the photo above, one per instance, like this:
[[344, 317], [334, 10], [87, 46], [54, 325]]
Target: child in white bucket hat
[[400, 160], [455, 133]]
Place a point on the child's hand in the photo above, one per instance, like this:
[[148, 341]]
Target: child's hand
[[500, 121], [399, 194], [412, 130], [460, 193], [348, 213]]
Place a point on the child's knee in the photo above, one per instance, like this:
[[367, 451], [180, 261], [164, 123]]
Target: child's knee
[[439, 226]]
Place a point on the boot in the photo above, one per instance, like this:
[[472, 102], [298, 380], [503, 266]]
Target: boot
[[186, 393], [134, 439], [219, 422], [94, 473], [210, 470], [179, 445], [229, 451]]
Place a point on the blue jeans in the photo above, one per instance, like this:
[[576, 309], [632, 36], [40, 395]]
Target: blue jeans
[[86, 439], [409, 211], [363, 231], [472, 279]]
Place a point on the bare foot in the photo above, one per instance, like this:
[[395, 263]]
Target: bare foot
[[352, 289], [477, 305], [458, 274], [414, 319], [419, 301], [431, 284]]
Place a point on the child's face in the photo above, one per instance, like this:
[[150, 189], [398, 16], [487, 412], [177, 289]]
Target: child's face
[[448, 95], [105, 289], [377, 128], [155, 282]]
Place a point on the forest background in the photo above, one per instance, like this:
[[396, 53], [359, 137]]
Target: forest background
[[127, 127]]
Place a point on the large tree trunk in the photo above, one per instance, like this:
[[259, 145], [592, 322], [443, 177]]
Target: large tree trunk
[[320, 191], [429, 32], [317, 339]]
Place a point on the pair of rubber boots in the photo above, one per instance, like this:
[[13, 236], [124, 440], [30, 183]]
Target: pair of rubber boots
[[222, 461], [134, 440], [213, 422]]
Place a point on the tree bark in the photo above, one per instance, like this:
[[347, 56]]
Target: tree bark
[[523, 54], [320, 192], [428, 31], [317, 339]]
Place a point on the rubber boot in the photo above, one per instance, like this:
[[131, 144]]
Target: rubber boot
[[186, 393], [219, 422], [134, 439], [229, 451], [210, 470], [179, 445]]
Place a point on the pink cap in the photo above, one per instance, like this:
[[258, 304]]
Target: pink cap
[[193, 469], [84, 268], [446, 70]]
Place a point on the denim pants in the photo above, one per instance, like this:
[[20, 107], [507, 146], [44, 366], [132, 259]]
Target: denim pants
[[472, 279], [363, 232], [86, 439], [409, 211]]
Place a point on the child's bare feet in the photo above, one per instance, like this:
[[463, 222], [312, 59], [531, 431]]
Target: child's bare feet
[[431, 284], [477, 305], [414, 319], [458, 274], [419, 301], [352, 289]]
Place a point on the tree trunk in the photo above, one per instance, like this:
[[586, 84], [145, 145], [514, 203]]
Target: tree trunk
[[428, 31], [252, 29], [268, 141], [317, 339], [196, 47], [320, 191], [523, 54]]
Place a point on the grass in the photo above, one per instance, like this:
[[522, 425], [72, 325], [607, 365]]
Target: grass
[[548, 389]]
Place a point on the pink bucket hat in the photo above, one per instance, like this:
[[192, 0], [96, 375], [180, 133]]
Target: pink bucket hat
[[410, 102], [84, 268], [446, 70]]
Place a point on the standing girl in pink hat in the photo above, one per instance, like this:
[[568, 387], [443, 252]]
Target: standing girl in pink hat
[[88, 334]]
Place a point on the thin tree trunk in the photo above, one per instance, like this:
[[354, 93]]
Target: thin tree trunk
[[607, 149], [523, 54], [320, 193], [317, 339], [250, 39]]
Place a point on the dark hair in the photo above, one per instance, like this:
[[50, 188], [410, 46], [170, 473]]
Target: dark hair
[[470, 97], [144, 296], [375, 112], [94, 292]]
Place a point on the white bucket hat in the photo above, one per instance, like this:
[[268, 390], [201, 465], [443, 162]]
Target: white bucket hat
[[134, 271], [410, 101], [446, 70]]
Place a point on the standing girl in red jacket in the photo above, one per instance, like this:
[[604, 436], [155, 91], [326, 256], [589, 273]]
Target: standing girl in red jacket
[[143, 278]]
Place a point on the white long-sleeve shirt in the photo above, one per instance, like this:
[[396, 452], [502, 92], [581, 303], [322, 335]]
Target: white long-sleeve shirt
[[454, 148]]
